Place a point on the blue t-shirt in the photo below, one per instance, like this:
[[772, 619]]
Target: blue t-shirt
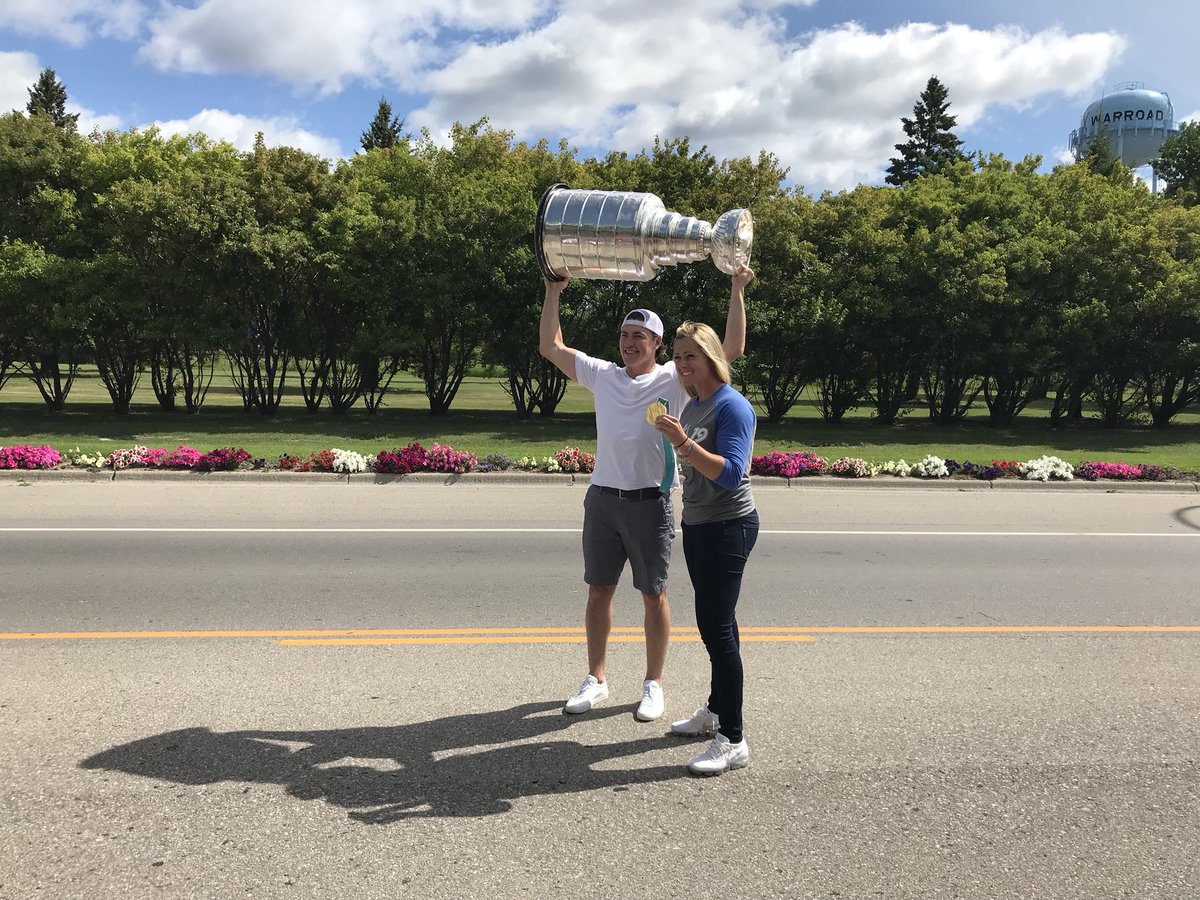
[[723, 424]]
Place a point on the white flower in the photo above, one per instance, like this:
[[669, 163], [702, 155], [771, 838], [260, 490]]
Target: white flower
[[348, 462], [931, 467], [1046, 468]]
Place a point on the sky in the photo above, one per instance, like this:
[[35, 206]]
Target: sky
[[821, 84]]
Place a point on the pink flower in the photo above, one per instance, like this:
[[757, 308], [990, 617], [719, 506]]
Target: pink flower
[[791, 464], [572, 459], [25, 456], [447, 459]]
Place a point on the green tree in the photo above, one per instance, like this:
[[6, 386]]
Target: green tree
[[841, 375], [1101, 156], [41, 301], [385, 130], [120, 175], [273, 267], [1178, 164], [955, 271], [870, 276], [377, 278], [787, 309], [1009, 197], [39, 181], [48, 97], [1109, 261], [471, 216], [932, 144], [164, 210], [40, 219], [1169, 318], [532, 382]]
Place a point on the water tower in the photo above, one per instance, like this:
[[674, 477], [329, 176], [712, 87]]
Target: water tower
[[1135, 121]]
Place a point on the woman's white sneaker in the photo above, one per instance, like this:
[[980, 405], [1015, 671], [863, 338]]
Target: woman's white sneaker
[[720, 756], [590, 693], [701, 723], [651, 707]]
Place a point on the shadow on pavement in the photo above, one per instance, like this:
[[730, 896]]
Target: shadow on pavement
[[1189, 516], [444, 767]]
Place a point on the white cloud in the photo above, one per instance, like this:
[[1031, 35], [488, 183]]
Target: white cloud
[[777, 4], [90, 120], [240, 130], [1190, 117], [306, 43], [828, 105], [1062, 155], [73, 21], [18, 72]]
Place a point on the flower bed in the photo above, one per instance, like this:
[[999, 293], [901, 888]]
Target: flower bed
[[443, 458]]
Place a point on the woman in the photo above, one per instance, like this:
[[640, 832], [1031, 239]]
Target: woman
[[713, 437]]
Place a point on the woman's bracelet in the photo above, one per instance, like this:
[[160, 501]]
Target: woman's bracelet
[[684, 444]]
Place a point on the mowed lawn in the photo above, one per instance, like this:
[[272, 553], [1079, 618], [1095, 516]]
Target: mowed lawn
[[482, 420]]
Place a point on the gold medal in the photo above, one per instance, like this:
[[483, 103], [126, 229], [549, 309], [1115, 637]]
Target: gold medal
[[654, 410]]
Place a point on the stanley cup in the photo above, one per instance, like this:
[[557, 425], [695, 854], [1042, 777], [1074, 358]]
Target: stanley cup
[[625, 236]]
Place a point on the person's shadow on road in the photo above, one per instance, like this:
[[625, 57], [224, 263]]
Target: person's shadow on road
[[465, 765]]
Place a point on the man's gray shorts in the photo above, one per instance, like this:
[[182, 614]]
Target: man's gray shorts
[[616, 530]]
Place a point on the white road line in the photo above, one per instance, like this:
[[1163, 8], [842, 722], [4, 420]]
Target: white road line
[[810, 532]]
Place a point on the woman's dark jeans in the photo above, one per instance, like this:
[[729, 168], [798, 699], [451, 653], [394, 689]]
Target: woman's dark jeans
[[716, 554]]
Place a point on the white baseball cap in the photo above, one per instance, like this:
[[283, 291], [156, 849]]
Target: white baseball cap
[[644, 318]]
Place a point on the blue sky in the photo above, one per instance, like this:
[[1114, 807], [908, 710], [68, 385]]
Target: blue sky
[[821, 83]]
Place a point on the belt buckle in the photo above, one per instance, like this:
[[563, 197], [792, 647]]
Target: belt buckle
[[621, 492]]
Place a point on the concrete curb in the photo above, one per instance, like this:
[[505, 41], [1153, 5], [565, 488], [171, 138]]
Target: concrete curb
[[543, 479]]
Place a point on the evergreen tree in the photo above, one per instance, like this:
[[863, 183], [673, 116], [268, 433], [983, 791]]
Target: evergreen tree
[[1178, 164], [48, 97], [386, 130], [931, 143], [1101, 155]]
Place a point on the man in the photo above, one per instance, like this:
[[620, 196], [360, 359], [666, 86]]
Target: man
[[628, 515]]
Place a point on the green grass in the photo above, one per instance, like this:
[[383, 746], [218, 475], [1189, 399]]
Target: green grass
[[482, 420]]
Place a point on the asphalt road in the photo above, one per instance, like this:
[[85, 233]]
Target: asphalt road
[[321, 689]]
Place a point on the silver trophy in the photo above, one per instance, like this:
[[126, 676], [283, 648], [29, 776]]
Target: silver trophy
[[625, 236]]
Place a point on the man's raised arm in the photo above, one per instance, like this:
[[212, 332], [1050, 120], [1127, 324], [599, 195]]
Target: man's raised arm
[[550, 339]]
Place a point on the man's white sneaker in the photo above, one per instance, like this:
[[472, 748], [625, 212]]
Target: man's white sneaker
[[590, 693], [651, 706], [700, 724], [720, 756]]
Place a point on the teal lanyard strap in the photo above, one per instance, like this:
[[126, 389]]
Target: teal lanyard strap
[[668, 457]]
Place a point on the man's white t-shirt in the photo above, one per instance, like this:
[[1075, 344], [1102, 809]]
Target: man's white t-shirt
[[629, 452]]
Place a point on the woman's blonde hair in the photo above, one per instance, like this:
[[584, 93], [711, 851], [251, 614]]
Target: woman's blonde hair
[[710, 346]]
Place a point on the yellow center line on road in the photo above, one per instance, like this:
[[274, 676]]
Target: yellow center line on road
[[528, 639], [748, 634], [497, 635]]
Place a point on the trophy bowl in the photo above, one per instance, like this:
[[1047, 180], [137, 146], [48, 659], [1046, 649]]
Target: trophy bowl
[[629, 236]]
